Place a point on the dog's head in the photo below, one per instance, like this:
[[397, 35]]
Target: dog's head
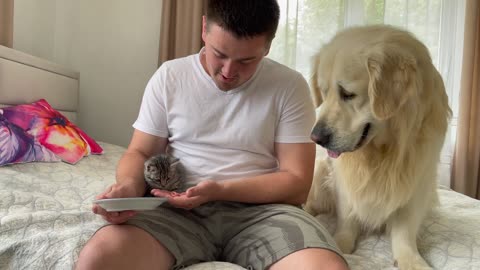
[[363, 78]]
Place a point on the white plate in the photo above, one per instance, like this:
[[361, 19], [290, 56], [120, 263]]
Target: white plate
[[136, 203]]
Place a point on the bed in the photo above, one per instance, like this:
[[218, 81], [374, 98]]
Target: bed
[[45, 207]]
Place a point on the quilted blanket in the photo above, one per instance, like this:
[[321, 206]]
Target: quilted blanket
[[45, 220]]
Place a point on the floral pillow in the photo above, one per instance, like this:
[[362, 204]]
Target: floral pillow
[[51, 130], [17, 146]]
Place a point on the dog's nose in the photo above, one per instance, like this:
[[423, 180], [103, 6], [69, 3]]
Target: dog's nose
[[321, 135]]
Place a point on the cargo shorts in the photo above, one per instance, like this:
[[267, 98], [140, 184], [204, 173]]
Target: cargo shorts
[[253, 236]]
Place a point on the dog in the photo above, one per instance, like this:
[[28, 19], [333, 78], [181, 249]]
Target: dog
[[382, 116]]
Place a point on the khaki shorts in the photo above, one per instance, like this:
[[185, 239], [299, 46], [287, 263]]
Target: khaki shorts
[[252, 236]]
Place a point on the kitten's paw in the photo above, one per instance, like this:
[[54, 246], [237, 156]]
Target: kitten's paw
[[345, 242], [412, 263]]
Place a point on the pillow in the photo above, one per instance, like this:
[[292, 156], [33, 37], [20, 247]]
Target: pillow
[[52, 130], [16, 146]]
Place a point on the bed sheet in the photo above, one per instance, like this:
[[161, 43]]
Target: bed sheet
[[449, 238], [46, 218], [45, 210]]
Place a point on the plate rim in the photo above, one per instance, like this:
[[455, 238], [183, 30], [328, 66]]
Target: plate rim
[[137, 201], [131, 199]]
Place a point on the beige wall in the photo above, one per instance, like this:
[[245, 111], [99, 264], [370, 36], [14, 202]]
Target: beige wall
[[112, 43]]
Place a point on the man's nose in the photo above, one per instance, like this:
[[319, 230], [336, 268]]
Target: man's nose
[[229, 69]]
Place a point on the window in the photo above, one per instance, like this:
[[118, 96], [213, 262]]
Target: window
[[307, 24]]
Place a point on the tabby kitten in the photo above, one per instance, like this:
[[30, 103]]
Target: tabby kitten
[[163, 172]]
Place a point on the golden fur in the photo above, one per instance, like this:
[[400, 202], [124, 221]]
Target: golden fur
[[384, 112]]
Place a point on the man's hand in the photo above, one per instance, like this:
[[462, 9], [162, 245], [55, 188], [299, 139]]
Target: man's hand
[[203, 192], [116, 191]]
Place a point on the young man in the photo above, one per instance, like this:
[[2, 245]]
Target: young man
[[240, 125]]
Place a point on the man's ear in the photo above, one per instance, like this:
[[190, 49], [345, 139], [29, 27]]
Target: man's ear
[[392, 74], [267, 48], [204, 28], [315, 90]]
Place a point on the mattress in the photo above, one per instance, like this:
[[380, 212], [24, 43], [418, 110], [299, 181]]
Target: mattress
[[46, 218]]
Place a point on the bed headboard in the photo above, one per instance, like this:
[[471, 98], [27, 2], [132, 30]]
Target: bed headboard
[[25, 78]]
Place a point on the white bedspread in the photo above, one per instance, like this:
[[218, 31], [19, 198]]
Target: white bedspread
[[45, 220], [449, 238]]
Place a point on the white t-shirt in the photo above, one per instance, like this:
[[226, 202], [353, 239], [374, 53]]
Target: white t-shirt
[[223, 135]]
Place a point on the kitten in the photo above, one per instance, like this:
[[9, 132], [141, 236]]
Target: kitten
[[163, 172]]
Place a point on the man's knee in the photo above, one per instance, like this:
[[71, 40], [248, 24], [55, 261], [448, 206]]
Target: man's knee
[[311, 258], [332, 260], [123, 247], [102, 247]]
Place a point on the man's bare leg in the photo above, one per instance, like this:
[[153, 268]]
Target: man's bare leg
[[124, 247]]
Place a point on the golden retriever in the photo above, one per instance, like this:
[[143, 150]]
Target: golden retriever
[[382, 117]]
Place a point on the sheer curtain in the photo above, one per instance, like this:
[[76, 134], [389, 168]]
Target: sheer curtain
[[307, 24]]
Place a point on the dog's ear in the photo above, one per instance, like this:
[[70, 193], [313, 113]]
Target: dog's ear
[[314, 87], [392, 73]]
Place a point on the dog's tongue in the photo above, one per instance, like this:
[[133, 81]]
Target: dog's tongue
[[333, 154]]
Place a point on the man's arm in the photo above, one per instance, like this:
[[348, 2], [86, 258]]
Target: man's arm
[[289, 185], [130, 181], [130, 167]]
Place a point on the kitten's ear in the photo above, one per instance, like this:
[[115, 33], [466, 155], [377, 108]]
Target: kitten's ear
[[150, 167]]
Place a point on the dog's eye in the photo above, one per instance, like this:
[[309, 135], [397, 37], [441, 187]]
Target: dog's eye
[[344, 95]]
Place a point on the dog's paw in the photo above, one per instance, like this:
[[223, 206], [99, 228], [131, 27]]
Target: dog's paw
[[416, 263], [345, 242]]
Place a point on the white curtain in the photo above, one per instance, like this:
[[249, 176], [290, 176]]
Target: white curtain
[[307, 24]]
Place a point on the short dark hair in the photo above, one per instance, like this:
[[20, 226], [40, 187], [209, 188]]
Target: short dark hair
[[245, 18]]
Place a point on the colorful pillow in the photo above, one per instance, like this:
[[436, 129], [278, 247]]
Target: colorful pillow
[[16, 146], [52, 130]]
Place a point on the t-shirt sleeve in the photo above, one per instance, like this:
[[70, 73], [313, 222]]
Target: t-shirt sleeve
[[297, 115], [152, 118]]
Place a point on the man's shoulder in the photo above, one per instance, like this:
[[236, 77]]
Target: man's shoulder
[[177, 68], [180, 62], [277, 72]]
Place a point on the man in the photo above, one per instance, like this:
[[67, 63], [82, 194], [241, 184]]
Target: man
[[240, 125]]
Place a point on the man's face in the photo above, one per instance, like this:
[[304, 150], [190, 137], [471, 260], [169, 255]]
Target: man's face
[[228, 60]]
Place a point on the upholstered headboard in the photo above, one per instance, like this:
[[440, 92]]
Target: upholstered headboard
[[25, 78]]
